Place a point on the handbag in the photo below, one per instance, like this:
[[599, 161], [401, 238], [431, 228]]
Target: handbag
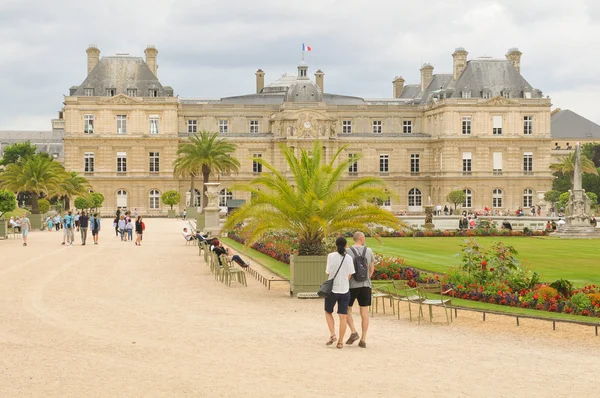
[[327, 286]]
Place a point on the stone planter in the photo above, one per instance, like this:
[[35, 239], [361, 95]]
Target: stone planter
[[192, 212], [200, 222], [36, 221], [3, 229], [171, 213], [307, 273]]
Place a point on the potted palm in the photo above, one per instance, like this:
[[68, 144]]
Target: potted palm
[[171, 198], [8, 202], [314, 207]]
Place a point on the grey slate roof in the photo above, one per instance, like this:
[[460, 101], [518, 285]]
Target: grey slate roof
[[122, 73], [438, 82], [568, 124], [411, 91], [45, 141]]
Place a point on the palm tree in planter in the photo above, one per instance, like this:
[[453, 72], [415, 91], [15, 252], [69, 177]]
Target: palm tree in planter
[[203, 154], [314, 207]]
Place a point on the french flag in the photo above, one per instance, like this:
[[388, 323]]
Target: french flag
[[306, 48]]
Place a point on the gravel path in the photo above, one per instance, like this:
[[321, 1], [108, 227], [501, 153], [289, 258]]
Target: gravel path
[[116, 320]]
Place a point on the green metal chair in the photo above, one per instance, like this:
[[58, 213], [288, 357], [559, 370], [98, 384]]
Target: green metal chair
[[400, 287], [433, 294], [413, 296], [229, 272], [378, 294]]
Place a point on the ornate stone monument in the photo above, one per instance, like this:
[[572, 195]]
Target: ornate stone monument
[[577, 210], [211, 211]]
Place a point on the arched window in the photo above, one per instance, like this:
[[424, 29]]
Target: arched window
[[468, 198], [196, 199], [154, 199], [496, 198], [224, 195], [414, 197], [121, 199], [528, 197]]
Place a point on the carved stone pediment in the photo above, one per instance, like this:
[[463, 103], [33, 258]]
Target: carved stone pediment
[[499, 100], [122, 99]]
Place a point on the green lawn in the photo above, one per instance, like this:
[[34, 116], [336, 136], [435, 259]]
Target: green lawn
[[577, 260]]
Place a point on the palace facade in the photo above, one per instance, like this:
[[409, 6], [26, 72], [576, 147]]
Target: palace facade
[[482, 129]]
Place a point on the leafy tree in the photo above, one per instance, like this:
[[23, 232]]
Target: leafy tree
[[457, 197], [203, 154], [36, 175], [15, 152], [564, 198], [170, 198], [73, 185], [314, 206], [81, 203], [8, 201], [566, 166], [593, 197], [95, 200], [43, 206], [552, 196], [592, 152]]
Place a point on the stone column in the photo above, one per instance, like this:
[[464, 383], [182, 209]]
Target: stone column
[[211, 211]]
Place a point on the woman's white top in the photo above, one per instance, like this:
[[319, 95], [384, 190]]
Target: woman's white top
[[341, 284]]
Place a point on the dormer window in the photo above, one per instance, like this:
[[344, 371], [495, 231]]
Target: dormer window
[[153, 92], [88, 92], [527, 94], [505, 94], [111, 92], [465, 93], [132, 92], [486, 94]]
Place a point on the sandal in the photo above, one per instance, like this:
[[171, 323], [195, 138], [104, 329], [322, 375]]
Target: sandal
[[340, 345], [332, 340]]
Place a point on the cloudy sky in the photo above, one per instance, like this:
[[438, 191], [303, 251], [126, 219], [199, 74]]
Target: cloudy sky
[[211, 48]]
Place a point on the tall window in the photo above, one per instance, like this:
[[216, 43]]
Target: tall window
[[353, 168], [256, 167], [153, 124], [132, 92], [154, 162], [224, 126], [528, 162], [497, 129], [505, 94], [254, 126], [407, 126], [192, 126], [110, 92], [466, 125], [387, 202], [121, 162], [527, 125], [528, 197], [468, 198], [121, 198], [88, 124], [88, 92], [497, 198], [377, 127], [346, 126], [497, 163], [467, 162], [153, 92], [154, 199], [224, 196], [384, 163], [414, 197], [415, 166], [88, 162], [121, 124]]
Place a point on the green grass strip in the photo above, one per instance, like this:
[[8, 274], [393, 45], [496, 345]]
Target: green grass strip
[[275, 266]]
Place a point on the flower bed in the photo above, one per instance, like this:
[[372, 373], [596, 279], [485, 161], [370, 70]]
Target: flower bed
[[278, 246], [461, 232], [395, 268]]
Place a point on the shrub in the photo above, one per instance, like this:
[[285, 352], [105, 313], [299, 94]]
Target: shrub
[[170, 198], [43, 206], [95, 200], [81, 203], [581, 301], [594, 299], [8, 201], [564, 287], [546, 293]]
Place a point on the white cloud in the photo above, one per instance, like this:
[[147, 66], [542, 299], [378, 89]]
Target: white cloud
[[213, 47]]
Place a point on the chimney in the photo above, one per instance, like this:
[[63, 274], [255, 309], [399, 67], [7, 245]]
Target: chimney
[[260, 80], [398, 86], [426, 75], [459, 61], [514, 56], [93, 57], [319, 79], [151, 53]]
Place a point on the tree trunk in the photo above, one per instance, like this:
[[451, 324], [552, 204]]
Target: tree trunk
[[192, 192], [67, 200], [205, 178], [34, 203]]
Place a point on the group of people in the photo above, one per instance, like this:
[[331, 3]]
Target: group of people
[[80, 222], [124, 226]]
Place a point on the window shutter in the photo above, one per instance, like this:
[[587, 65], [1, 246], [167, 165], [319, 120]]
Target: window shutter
[[497, 160], [497, 122]]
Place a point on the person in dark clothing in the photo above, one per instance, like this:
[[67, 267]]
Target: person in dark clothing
[[139, 230], [116, 225], [83, 227], [219, 249], [506, 225]]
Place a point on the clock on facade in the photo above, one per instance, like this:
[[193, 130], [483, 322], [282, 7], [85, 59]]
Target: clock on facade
[[307, 125]]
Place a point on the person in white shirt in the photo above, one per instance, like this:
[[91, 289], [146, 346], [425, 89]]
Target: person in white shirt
[[340, 268]]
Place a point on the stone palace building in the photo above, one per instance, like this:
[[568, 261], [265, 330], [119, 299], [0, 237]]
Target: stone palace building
[[481, 128]]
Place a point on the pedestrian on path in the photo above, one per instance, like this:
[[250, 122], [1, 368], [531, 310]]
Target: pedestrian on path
[[95, 226], [69, 225], [139, 230], [122, 225], [25, 227], [83, 227]]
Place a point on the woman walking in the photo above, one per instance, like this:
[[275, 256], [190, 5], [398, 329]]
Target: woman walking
[[340, 268], [116, 225], [122, 225], [139, 230], [130, 226]]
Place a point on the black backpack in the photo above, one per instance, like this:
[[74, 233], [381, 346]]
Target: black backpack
[[361, 267]]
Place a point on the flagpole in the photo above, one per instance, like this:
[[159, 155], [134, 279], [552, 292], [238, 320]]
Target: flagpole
[[302, 51]]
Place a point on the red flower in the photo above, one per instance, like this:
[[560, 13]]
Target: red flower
[[491, 269], [384, 276], [484, 263]]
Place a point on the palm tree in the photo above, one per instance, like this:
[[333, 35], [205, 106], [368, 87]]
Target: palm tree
[[73, 185], [567, 165], [38, 175], [204, 154], [314, 206]]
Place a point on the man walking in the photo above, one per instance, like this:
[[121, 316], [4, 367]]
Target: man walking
[[95, 225], [69, 224], [360, 286], [25, 227], [83, 227]]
